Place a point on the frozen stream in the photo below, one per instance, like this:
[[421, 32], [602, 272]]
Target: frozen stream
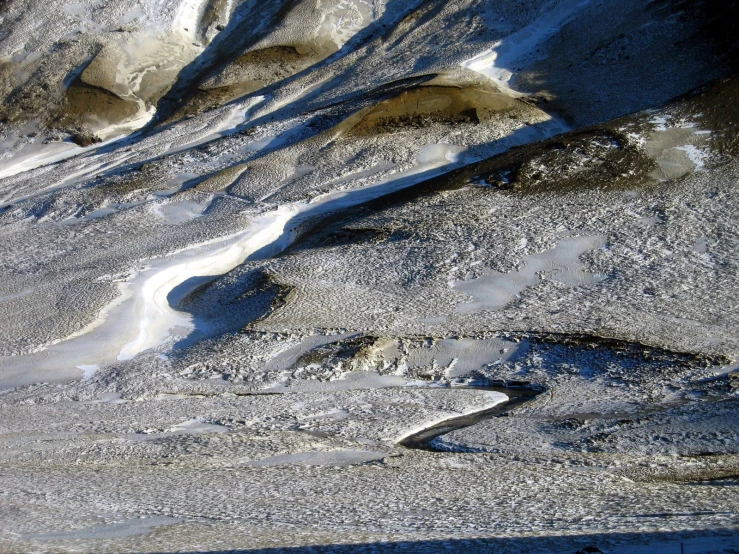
[[141, 318], [268, 235]]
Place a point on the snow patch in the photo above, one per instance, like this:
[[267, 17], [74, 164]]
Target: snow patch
[[88, 371], [495, 290], [127, 528], [695, 155], [497, 63]]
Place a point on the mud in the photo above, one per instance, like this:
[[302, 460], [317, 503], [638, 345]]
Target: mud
[[214, 19], [253, 71], [88, 106], [34, 90], [265, 66], [595, 159], [425, 105]]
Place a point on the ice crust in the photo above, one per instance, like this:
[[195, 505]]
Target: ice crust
[[312, 230]]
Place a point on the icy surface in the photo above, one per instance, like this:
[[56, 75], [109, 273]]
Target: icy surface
[[496, 290], [248, 248]]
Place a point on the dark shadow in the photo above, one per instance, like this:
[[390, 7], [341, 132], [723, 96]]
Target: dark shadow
[[181, 291], [624, 56], [677, 542], [423, 440], [213, 318]]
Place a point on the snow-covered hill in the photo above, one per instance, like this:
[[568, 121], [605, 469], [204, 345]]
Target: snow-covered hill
[[251, 247]]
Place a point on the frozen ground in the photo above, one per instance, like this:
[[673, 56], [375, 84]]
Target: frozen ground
[[369, 275]]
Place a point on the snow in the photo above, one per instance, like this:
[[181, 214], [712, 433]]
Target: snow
[[660, 123], [498, 63], [157, 316], [187, 20], [678, 150], [181, 212], [334, 458], [494, 399], [695, 155], [34, 156], [495, 290], [140, 119], [88, 371], [197, 425], [342, 19], [20, 294], [194, 426], [462, 356], [127, 528], [433, 154]]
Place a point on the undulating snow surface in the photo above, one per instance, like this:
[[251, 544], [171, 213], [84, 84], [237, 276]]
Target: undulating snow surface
[[368, 275]]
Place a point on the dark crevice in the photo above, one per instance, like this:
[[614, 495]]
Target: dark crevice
[[424, 439]]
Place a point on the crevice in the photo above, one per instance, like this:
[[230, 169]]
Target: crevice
[[424, 439]]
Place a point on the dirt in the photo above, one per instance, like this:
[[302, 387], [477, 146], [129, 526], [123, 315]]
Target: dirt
[[85, 105], [424, 105], [253, 71], [221, 180], [132, 184], [342, 352], [268, 65], [590, 159], [36, 91], [716, 108], [85, 139]]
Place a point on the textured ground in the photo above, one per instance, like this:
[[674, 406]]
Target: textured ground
[[249, 248]]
